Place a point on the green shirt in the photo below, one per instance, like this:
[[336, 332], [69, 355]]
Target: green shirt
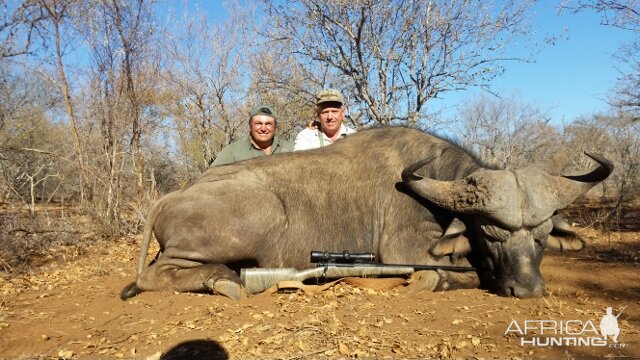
[[244, 149]]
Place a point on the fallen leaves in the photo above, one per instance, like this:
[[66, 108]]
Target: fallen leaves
[[344, 321], [344, 349], [475, 341], [65, 354], [155, 356]]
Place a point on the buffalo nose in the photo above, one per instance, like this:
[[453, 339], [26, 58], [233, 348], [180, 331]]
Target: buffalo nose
[[524, 292]]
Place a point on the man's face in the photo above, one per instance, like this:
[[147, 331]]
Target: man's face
[[263, 128], [331, 116]]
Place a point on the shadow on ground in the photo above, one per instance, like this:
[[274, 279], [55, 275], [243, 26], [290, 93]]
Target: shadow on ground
[[197, 349]]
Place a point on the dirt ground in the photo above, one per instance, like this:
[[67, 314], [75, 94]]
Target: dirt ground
[[70, 309]]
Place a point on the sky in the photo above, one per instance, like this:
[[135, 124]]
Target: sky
[[569, 79]]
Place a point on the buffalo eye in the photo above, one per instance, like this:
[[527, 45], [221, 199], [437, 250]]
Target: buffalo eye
[[495, 233], [541, 232]]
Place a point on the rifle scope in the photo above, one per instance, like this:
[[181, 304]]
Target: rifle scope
[[341, 257]]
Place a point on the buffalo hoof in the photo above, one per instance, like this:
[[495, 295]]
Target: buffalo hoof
[[424, 280], [130, 291], [228, 288], [450, 280]]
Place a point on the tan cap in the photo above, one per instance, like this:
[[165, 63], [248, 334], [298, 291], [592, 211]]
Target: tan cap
[[329, 95]]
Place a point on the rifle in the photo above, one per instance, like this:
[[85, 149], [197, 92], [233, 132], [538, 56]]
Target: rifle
[[333, 265]]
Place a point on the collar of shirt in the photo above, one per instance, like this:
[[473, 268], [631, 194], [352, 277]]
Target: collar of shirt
[[274, 144], [344, 131]]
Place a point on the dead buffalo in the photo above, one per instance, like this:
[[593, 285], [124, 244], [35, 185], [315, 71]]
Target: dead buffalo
[[371, 192]]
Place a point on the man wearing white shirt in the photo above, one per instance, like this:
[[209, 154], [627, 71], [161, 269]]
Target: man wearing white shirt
[[330, 112]]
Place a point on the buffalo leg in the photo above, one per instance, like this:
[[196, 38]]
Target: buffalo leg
[[165, 274], [440, 280], [424, 280], [451, 280]]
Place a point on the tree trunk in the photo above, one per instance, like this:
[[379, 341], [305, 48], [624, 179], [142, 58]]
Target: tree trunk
[[64, 86], [134, 105]]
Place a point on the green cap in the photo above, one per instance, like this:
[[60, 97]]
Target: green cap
[[329, 95], [263, 110]]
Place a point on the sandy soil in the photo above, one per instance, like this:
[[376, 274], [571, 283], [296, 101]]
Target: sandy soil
[[70, 309]]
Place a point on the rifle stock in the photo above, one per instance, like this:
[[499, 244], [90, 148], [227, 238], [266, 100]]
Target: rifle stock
[[256, 280]]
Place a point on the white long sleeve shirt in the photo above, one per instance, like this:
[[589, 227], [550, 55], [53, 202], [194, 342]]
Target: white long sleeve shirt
[[310, 138]]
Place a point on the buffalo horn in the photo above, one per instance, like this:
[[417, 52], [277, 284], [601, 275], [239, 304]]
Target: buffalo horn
[[569, 187], [408, 172], [440, 192]]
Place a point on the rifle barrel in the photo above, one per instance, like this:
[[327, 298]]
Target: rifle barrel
[[415, 267]]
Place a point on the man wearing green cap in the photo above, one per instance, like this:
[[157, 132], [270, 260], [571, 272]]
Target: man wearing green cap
[[261, 141], [330, 113]]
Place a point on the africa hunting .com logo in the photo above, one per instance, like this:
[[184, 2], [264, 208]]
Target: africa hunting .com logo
[[569, 332]]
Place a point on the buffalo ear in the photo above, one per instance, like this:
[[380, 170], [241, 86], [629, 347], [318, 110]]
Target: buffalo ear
[[453, 242], [563, 237], [564, 242]]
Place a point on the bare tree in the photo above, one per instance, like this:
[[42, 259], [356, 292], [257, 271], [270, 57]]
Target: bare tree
[[32, 152], [124, 77], [615, 137], [289, 85], [507, 132], [57, 13], [625, 15], [393, 57], [627, 90], [21, 90], [18, 24], [209, 65], [288, 82], [104, 104], [128, 18], [619, 140]]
